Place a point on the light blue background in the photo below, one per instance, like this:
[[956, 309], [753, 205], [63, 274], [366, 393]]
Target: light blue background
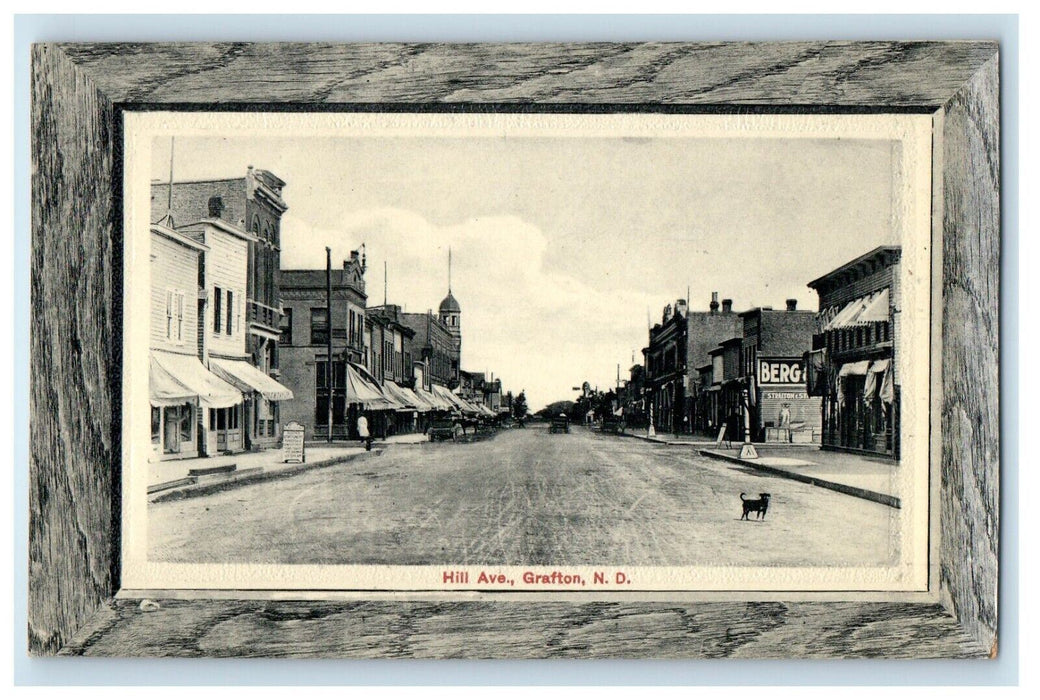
[[79, 671]]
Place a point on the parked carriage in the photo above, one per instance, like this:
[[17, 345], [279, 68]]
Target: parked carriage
[[442, 429]]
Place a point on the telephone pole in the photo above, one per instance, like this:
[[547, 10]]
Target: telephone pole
[[328, 332]]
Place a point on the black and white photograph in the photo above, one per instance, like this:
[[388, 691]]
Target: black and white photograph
[[528, 352], [523, 350]]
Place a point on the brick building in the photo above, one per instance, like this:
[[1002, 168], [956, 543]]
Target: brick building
[[434, 344], [678, 346], [773, 372], [854, 363], [391, 363], [304, 356]]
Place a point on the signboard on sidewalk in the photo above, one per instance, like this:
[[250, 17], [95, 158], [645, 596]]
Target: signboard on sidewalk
[[293, 449]]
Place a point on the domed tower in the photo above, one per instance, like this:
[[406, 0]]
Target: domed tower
[[451, 313]]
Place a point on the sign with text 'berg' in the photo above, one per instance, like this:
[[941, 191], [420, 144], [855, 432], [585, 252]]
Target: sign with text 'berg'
[[780, 371]]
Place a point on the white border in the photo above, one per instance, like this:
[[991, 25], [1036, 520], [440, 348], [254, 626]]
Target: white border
[[913, 131]]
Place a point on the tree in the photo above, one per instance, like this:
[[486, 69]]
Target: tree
[[556, 408], [520, 405]]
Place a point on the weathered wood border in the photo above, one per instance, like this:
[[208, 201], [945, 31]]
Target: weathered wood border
[[78, 91]]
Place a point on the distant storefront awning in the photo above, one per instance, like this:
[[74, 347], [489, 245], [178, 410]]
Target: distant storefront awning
[[177, 378], [446, 397], [398, 394], [867, 309], [365, 392], [249, 378], [420, 403], [466, 405], [432, 400]]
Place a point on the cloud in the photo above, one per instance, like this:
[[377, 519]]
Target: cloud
[[539, 330]]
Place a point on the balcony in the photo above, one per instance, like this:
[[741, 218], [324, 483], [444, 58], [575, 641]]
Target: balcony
[[267, 317]]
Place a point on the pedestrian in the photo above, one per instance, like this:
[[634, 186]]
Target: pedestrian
[[363, 433], [785, 421]]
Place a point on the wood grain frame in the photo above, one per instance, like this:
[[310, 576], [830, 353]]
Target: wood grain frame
[[78, 93]]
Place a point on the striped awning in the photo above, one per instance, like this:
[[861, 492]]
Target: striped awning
[[865, 310]]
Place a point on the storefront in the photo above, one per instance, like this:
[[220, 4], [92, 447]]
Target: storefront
[[260, 410], [782, 409], [181, 392], [406, 416], [862, 412], [854, 363]]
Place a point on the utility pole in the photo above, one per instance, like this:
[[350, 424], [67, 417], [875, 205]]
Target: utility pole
[[384, 283], [747, 450], [169, 191], [328, 332]]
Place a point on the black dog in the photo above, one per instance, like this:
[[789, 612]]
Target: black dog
[[755, 505]]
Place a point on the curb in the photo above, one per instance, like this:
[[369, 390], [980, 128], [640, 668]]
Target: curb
[[244, 478], [866, 494], [667, 443]]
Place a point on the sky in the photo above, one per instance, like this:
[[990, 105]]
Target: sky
[[563, 248]]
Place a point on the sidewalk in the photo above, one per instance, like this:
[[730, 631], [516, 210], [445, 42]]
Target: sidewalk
[[167, 477], [244, 463], [875, 479]]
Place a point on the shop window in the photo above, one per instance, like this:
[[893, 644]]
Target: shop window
[[156, 425], [221, 419], [186, 423]]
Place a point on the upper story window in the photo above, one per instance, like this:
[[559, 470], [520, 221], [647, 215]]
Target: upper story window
[[218, 303], [174, 314], [319, 326], [231, 317], [286, 326]]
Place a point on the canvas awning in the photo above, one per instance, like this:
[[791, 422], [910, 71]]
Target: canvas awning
[[421, 404], [248, 378], [178, 378], [365, 392], [446, 397], [408, 401], [854, 368], [432, 400], [866, 309], [816, 372], [466, 405], [164, 389]]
